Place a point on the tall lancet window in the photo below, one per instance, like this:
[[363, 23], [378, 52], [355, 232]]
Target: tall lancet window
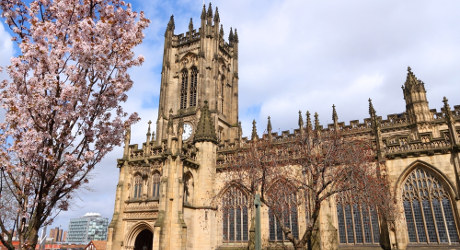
[[137, 187], [358, 222], [193, 86], [234, 215], [222, 89], [283, 211], [183, 89], [156, 185], [428, 209]]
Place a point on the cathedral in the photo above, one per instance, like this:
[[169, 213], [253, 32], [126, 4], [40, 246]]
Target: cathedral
[[168, 192]]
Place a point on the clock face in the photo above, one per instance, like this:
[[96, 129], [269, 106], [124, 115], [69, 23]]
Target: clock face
[[188, 129]]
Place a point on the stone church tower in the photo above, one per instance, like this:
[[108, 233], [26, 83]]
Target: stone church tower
[[166, 187]]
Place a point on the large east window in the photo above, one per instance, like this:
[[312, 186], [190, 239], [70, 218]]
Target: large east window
[[428, 209]]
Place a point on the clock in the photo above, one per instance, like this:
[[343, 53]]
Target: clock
[[188, 129]]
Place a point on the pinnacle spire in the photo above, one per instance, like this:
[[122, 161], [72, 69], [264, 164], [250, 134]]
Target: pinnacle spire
[[411, 79], [209, 10], [216, 16], [235, 38], [300, 120], [221, 31], [447, 111], [371, 109], [335, 117], [190, 26], [149, 134], [171, 24], [254, 135], [316, 121], [309, 126], [230, 36], [203, 12], [269, 126], [205, 130]]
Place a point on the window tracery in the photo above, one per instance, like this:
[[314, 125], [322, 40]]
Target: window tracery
[[285, 208], [156, 185], [235, 215], [358, 223], [193, 86], [137, 187], [428, 209], [183, 90]]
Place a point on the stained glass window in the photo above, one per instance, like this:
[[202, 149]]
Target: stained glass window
[[193, 86], [285, 207], [428, 209], [183, 89], [358, 223], [137, 186], [235, 215], [156, 185]]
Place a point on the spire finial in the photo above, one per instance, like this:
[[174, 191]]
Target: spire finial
[[269, 126], [203, 12], [300, 120], [230, 36], [221, 31], [210, 10], [171, 25], [371, 109], [335, 117], [316, 121], [254, 135], [148, 132], [235, 38], [216, 16], [190, 26], [309, 126], [205, 130], [447, 111]]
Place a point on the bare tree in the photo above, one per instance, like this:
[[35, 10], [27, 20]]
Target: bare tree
[[310, 167]]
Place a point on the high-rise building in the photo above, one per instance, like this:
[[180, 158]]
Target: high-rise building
[[171, 191], [56, 234], [92, 226]]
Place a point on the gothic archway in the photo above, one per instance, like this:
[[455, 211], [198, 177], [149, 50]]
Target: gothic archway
[[144, 240], [428, 208]]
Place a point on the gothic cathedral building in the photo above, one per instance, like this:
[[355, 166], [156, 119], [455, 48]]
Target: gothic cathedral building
[[169, 188]]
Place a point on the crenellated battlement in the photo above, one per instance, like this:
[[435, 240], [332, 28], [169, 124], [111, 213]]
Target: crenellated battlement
[[397, 135]]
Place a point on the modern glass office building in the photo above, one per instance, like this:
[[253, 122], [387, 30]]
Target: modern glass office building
[[92, 226]]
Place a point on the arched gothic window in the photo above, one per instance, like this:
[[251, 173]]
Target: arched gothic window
[[156, 185], [358, 223], [184, 89], [282, 210], [193, 86], [137, 187], [235, 215], [428, 209], [188, 188]]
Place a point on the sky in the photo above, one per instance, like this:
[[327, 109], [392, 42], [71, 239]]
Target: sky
[[296, 55]]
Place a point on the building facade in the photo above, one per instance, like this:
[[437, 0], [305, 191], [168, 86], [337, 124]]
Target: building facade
[[90, 227], [170, 188]]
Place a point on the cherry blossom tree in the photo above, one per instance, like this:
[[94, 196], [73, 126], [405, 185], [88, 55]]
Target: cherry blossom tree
[[63, 102], [306, 170]]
